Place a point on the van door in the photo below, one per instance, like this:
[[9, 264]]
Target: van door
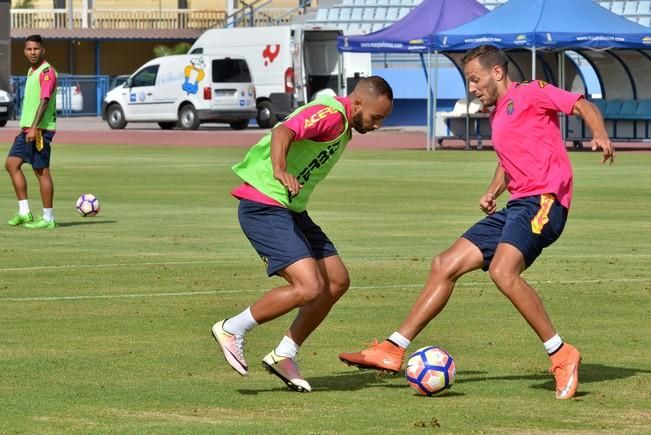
[[232, 86], [141, 99], [300, 82], [323, 63]]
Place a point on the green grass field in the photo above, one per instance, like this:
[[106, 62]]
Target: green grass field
[[105, 321]]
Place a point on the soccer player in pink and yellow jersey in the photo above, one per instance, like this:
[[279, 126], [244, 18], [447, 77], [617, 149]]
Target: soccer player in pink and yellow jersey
[[534, 167], [279, 174]]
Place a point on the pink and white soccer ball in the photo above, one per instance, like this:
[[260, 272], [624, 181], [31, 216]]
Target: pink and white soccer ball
[[430, 370], [87, 205]]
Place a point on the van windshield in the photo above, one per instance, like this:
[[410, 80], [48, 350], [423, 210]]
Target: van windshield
[[230, 71]]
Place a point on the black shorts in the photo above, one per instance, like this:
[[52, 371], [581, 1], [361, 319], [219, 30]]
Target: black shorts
[[28, 153], [281, 237], [530, 224]]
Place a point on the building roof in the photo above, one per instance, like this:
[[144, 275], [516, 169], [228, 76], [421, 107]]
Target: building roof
[[110, 34]]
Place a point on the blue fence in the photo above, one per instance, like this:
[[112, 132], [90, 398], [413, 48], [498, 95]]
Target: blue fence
[[76, 95]]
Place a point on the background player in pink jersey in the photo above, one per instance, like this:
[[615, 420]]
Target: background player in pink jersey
[[534, 167]]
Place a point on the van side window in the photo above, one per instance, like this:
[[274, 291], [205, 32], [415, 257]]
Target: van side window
[[230, 71], [145, 77]]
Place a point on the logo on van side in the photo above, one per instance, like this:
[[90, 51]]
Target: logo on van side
[[195, 68], [270, 53]]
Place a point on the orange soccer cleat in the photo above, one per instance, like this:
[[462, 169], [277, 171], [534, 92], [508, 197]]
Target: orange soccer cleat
[[384, 356], [565, 367]]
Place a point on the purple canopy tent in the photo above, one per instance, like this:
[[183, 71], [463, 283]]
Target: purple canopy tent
[[415, 33]]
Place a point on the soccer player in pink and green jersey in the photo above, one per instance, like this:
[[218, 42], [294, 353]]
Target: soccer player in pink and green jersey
[[280, 173], [534, 167], [32, 145]]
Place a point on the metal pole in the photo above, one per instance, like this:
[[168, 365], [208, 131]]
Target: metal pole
[[429, 102], [435, 97], [533, 63], [561, 84], [467, 114]]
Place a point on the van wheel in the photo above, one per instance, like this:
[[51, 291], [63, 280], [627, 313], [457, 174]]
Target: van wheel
[[166, 125], [266, 117], [240, 124], [188, 119], [3, 122], [115, 117]]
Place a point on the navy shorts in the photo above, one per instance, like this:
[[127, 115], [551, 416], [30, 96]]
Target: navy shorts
[[530, 224], [27, 150], [282, 237]]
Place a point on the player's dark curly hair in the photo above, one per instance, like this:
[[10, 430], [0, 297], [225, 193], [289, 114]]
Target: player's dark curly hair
[[377, 86], [35, 38], [488, 56]]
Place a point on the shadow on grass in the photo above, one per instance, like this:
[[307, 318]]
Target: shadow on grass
[[85, 222], [344, 381], [588, 373], [350, 381]]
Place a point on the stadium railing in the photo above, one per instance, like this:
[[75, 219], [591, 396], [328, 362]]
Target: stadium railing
[[88, 102]]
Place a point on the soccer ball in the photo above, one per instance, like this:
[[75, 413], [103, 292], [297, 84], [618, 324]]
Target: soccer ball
[[87, 205], [430, 370]]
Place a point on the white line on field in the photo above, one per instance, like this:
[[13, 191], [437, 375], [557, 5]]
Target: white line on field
[[369, 287], [234, 259]]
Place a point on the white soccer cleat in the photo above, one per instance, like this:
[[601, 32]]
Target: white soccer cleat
[[232, 346], [287, 370]]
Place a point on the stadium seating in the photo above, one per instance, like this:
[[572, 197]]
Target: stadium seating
[[627, 119], [364, 16]]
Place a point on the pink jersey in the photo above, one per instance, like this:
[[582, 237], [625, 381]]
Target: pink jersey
[[48, 82], [319, 123], [527, 138]]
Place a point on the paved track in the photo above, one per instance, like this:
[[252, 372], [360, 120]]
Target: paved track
[[94, 131]]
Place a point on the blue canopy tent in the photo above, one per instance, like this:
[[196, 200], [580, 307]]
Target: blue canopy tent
[[546, 24], [414, 33], [557, 25]]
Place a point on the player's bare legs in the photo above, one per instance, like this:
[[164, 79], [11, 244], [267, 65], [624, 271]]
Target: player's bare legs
[[447, 267], [46, 185], [12, 165], [306, 283], [505, 270], [47, 194], [23, 216], [333, 281], [462, 257], [311, 315]]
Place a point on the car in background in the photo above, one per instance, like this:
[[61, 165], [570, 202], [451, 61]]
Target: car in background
[[71, 95], [6, 107]]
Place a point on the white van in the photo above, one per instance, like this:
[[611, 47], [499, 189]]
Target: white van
[[184, 90], [289, 64]]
